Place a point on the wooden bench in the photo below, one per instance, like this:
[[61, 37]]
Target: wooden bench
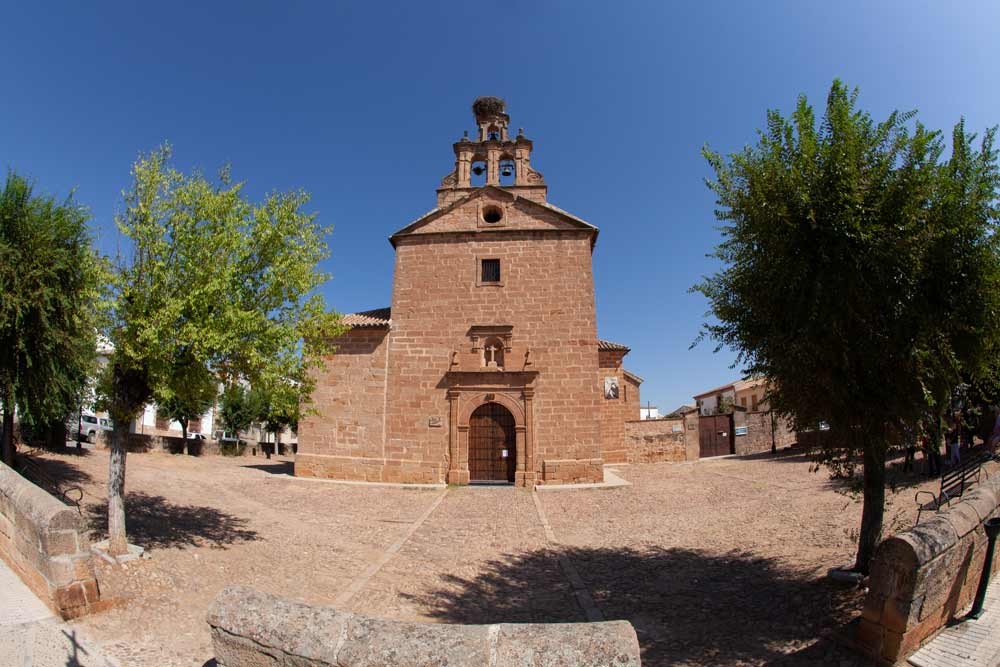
[[954, 482], [33, 471]]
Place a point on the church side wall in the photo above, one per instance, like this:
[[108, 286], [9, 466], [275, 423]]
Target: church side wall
[[547, 296], [344, 440], [615, 411]]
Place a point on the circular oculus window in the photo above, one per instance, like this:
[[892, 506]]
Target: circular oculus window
[[492, 214]]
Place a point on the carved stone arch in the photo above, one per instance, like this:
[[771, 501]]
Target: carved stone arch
[[473, 401]]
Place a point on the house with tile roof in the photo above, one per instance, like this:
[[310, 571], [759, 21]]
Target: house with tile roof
[[487, 366], [747, 394]]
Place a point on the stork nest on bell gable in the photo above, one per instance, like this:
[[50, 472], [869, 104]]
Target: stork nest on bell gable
[[488, 106]]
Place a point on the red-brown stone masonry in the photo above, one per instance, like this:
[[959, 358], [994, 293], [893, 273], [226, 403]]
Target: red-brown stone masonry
[[615, 412], [547, 296], [516, 214], [349, 399]]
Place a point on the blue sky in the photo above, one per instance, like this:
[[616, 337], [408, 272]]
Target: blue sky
[[358, 103]]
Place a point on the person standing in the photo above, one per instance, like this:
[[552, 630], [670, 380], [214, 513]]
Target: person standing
[[955, 439], [932, 452], [994, 438]]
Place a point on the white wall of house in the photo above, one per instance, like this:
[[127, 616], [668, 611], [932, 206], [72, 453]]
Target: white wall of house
[[649, 412], [148, 420], [707, 405]]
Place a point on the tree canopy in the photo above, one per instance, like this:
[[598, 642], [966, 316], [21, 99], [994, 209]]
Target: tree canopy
[[239, 407], [215, 279], [860, 272], [189, 391], [50, 279]]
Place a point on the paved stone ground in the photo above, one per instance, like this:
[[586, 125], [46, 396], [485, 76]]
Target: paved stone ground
[[455, 566], [31, 636], [715, 563], [970, 643]]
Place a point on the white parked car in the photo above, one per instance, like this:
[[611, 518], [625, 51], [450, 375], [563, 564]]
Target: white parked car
[[194, 435]]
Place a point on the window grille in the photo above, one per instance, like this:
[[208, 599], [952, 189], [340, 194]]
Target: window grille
[[491, 271]]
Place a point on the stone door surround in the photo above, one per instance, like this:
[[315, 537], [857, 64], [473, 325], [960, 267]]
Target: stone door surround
[[467, 390]]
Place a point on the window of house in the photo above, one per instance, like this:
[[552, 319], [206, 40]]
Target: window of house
[[490, 271], [162, 424], [743, 401], [753, 401]]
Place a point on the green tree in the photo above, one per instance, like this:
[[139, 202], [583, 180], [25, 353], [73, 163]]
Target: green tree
[[211, 276], [238, 408], [860, 274], [49, 281], [279, 407], [187, 392]]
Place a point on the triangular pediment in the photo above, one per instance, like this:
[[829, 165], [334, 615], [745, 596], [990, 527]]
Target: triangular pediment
[[472, 213]]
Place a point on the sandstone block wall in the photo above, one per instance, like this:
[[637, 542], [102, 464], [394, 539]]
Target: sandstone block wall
[[547, 297], [615, 412], [655, 440], [253, 629], [345, 438], [46, 544], [759, 431], [923, 578]]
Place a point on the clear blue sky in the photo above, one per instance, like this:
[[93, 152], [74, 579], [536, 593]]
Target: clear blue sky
[[358, 103]]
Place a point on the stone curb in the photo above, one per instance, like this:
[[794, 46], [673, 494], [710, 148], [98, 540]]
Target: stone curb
[[251, 629]]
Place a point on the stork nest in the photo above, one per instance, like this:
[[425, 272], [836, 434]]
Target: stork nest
[[488, 106]]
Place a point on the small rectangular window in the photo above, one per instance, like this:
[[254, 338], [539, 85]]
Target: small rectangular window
[[491, 271]]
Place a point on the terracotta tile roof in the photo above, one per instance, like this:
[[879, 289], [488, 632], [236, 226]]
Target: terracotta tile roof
[[380, 317], [737, 385], [614, 347], [635, 378], [749, 384]]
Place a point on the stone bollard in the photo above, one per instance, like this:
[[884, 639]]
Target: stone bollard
[[254, 629]]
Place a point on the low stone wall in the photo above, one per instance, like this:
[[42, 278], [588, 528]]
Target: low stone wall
[[45, 543], [815, 439], [362, 469], [253, 629], [654, 440], [572, 471], [142, 443], [761, 432], [922, 578]]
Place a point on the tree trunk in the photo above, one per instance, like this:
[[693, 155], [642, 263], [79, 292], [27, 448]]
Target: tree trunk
[[117, 539], [8, 433], [873, 510], [184, 436]]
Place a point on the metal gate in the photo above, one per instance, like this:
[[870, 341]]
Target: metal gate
[[492, 440], [715, 435]]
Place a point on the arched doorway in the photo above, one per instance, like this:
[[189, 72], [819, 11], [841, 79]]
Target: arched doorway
[[492, 444]]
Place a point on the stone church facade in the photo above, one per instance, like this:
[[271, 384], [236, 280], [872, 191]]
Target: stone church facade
[[487, 366]]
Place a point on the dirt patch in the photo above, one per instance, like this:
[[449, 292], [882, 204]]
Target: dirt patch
[[718, 562]]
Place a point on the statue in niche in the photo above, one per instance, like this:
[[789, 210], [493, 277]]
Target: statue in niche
[[493, 354]]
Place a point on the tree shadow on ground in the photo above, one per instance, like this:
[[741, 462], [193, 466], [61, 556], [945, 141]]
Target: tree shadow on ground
[[61, 472], [688, 607], [154, 522], [277, 468], [791, 454]]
